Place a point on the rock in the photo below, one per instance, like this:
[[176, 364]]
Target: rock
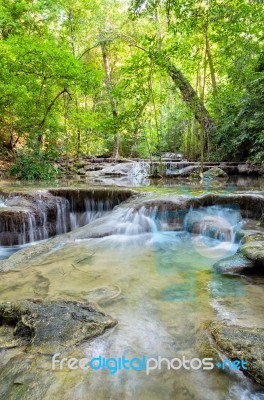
[[239, 343], [172, 173], [103, 295], [29, 217], [261, 221], [120, 169], [81, 171], [51, 326], [254, 251], [215, 172], [248, 169], [186, 171], [252, 236], [18, 378], [233, 264], [81, 163]]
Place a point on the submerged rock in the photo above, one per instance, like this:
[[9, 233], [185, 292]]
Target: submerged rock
[[240, 343], [103, 295], [233, 264], [50, 326]]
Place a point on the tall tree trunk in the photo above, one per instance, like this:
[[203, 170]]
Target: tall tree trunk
[[211, 65], [189, 95], [109, 87]]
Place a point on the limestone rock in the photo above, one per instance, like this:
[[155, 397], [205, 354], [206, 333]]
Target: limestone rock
[[215, 172], [233, 264], [254, 251], [51, 326], [240, 343]]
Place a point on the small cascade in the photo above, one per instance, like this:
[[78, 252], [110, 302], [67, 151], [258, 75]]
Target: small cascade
[[2, 202], [216, 222], [92, 210], [17, 229], [132, 222], [34, 217], [62, 218]]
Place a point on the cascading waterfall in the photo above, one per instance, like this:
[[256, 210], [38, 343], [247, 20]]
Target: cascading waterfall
[[70, 210], [209, 232], [2, 202], [93, 210], [25, 221], [62, 217], [131, 222], [217, 222]]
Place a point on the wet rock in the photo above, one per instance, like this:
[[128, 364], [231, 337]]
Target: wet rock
[[254, 251], [248, 169], [41, 286], [29, 217], [103, 295], [50, 326], [250, 205], [239, 343], [215, 172], [81, 171], [187, 171], [249, 235], [120, 169], [172, 173], [101, 198], [233, 264], [26, 377]]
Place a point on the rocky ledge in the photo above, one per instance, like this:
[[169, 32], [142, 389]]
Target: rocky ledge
[[47, 327], [239, 343]]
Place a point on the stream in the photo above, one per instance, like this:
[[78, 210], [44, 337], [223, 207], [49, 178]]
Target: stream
[[158, 283]]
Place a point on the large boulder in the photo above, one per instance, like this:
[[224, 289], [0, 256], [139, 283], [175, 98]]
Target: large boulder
[[51, 326], [239, 343], [215, 172]]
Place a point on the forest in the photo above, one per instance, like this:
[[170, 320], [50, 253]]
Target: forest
[[133, 78]]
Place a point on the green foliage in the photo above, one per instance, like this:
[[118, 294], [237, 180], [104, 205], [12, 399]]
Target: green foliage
[[55, 95], [241, 128], [33, 164]]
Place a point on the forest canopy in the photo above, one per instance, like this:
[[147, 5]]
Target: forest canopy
[[132, 78]]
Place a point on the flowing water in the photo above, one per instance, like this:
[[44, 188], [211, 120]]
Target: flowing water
[[161, 290]]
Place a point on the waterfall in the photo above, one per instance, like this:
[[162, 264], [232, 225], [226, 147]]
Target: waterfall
[[132, 222], [63, 211], [217, 222], [2, 202], [92, 210]]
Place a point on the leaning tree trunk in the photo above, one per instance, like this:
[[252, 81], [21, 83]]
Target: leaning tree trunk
[[189, 95]]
